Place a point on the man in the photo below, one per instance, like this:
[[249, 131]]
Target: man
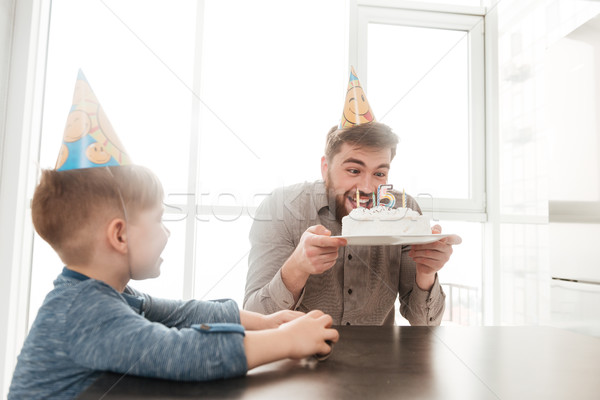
[[295, 263]]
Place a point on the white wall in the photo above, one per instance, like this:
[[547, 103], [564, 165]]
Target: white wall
[[525, 30]]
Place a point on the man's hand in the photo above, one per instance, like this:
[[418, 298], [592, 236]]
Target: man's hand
[[315, 254], [431, 257]]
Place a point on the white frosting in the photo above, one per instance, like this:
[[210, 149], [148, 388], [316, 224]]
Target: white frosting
[[383, 221]]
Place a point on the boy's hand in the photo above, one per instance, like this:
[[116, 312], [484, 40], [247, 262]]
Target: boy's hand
[[303, 336], [280, 317], [255, 321], [307, 335]]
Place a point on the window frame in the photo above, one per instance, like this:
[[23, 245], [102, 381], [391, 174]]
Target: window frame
[[462, 18]]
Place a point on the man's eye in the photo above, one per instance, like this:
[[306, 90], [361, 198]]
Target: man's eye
[[380, 174], [353, 171]]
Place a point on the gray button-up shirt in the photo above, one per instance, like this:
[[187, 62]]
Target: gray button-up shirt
[[362, 286]]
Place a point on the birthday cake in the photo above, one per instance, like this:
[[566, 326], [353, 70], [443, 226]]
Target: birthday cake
[[385, 221]]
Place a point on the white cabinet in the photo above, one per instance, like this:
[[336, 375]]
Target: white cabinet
[[575, 306]]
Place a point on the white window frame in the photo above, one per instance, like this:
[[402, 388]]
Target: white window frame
[[468, 19], [19, 133]]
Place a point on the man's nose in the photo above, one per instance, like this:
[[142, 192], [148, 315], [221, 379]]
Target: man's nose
[[367, 185]]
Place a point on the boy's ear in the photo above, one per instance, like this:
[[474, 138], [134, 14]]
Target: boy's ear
[[116, 234]]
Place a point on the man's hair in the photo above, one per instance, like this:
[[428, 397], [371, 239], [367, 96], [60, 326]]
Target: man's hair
[[373, 135], [69, 207]]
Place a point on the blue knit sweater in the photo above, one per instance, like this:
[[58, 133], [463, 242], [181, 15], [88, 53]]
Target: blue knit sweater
[[85, 327]]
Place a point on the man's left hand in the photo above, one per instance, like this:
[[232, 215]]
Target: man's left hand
[[431, 257]]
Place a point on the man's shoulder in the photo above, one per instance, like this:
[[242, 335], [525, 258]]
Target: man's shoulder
[[294, 205], [293, 190], [299, 195]]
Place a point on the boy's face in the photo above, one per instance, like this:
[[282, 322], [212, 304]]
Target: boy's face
[[354, 168], [147, 238]]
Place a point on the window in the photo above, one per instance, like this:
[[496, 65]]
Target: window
[[423, 73]]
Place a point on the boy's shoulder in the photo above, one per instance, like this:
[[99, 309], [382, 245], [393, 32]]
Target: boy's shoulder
[[71, 296], [67, 286]]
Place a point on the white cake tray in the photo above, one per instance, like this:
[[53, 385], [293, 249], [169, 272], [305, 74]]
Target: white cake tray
[[388, 240]]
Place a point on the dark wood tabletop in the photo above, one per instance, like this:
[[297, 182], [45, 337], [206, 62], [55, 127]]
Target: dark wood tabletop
[[405, 363]]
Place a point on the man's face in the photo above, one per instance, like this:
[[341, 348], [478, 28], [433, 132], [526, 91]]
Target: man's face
[[355, 167]]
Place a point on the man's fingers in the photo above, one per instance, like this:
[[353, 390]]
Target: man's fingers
[[319, 230], [452, 239], [326, 241]]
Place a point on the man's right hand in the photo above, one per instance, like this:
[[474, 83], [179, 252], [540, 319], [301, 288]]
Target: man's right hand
[[316, 253]]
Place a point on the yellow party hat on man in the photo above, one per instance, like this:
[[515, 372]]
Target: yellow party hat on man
[[356, 106], [89, 139]]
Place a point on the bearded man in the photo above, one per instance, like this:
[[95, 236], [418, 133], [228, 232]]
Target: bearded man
[[296, 263]]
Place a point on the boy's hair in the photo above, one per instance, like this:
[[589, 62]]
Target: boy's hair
[[69, 207], [374, 135]]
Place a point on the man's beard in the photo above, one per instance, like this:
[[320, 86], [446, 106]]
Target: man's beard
[[337, 201]]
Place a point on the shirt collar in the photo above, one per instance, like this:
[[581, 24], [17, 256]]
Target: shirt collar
[[69, 273], [321, 197], [135, 302]]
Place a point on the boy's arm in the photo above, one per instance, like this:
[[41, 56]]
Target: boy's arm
[[107, 335], [183, 314]]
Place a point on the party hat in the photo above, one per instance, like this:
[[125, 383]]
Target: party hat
[[356, 106], [89, 139]]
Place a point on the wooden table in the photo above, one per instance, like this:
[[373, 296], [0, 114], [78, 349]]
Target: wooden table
[[406, 362]]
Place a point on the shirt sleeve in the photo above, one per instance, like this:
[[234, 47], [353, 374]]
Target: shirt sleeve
[[107, 335], [419, 307], [271, 245]]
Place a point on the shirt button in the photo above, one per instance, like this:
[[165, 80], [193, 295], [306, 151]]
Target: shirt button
[[347, 323], [349, 256], [430, 318], [349, 291]]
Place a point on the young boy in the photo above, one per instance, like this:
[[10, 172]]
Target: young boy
[[105, 224], [102, 216]]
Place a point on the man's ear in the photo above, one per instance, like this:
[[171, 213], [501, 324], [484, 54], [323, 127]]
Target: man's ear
[[324, 167], [116, 234]]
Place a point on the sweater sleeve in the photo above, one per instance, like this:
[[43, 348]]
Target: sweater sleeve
[[107, 335], [183, 314]]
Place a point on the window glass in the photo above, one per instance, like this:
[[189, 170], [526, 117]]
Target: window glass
[[461, 277], [137, 72], [222, 248], [424, 97], [274, 88]]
